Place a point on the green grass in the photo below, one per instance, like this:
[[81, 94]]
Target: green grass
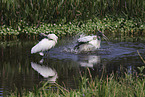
[[63, 11], [111, 86]]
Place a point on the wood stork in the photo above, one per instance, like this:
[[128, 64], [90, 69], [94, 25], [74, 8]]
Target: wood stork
[[89, 43], [48, 42]]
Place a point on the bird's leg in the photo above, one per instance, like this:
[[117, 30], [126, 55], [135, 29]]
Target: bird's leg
[[41, 53], [46, 53], [41, 61]]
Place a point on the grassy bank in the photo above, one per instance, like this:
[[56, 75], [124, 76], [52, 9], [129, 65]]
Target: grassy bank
[[113, 27], [111, 86]]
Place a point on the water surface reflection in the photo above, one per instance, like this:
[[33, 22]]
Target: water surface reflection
[[89, 61], [45, 71], [19, 69]]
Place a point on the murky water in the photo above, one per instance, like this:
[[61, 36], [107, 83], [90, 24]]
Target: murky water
[[19, 69]]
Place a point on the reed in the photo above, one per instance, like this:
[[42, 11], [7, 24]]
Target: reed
[[34, 12], [111, 86]]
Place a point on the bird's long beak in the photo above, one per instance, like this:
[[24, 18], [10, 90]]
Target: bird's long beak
[[99, 32], [105, 37]]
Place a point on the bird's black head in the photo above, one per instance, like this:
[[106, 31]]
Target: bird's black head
[[100, 35]]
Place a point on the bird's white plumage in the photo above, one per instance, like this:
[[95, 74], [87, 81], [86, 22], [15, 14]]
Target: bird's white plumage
[[86, 47], [88, 43], [87, 38], [45, 44], [96, 43], [53, 37]]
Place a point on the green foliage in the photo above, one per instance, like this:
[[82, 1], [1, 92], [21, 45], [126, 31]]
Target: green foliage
[[112, 26], [64, 11]]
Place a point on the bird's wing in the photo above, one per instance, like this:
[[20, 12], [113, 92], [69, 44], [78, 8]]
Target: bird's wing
[[41, 46], [86, 39]]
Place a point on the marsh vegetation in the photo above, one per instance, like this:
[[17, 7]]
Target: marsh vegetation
[[121, 20]]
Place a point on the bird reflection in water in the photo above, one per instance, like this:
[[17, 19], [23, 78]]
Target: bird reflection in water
[[89, 61], [45, 71]]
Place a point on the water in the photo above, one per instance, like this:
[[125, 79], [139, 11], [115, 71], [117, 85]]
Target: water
[[21, 70]]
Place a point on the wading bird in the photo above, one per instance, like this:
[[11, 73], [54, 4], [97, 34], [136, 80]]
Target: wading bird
[[89, 43], [45, 44]]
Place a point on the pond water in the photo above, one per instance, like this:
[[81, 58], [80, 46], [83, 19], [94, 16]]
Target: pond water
[[21, 70]]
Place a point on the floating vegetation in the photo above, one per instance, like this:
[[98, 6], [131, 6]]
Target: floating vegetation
[[116, 18], [119, 27]]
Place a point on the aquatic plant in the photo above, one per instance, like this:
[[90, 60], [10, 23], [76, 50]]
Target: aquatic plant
[[119, 27]]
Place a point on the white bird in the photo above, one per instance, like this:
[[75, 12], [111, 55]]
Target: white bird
[[45, 44], [89, 43]]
